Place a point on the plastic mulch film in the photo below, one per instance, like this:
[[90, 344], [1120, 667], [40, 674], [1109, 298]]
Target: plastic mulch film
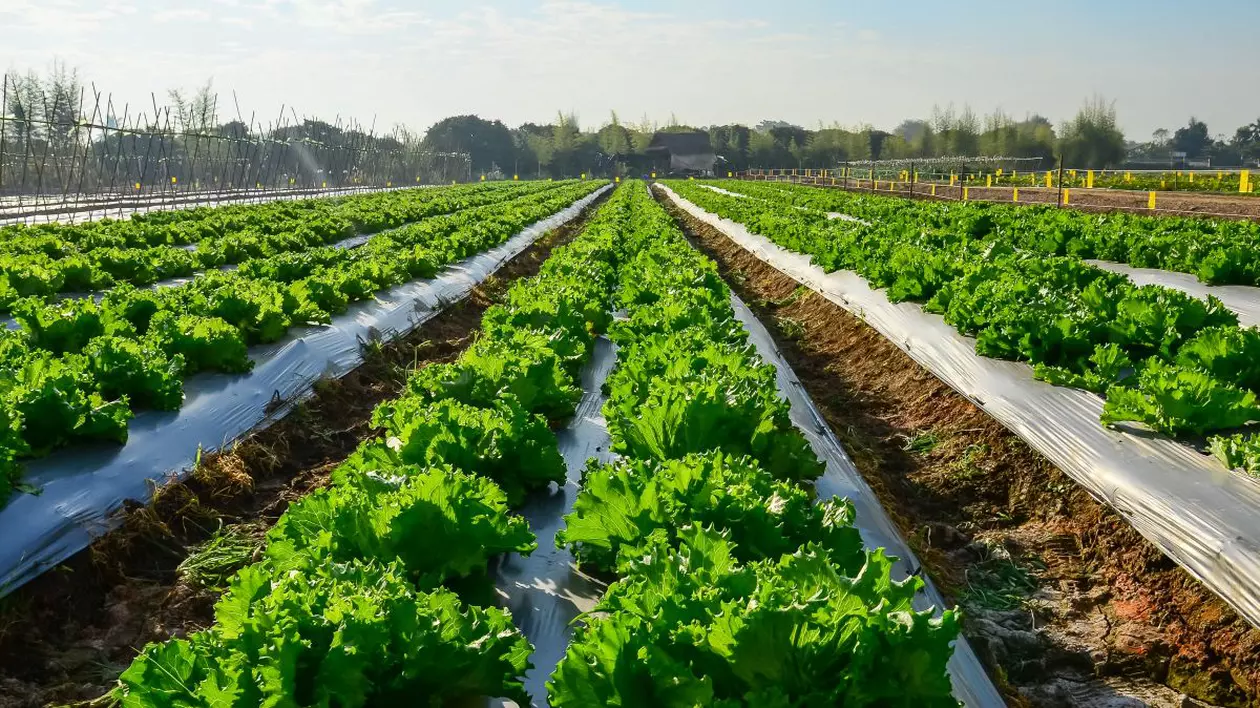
[[38, 210], [80, 488], [546, 592], [1203, 516]]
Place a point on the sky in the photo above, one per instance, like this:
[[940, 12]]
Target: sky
[[702, 62]]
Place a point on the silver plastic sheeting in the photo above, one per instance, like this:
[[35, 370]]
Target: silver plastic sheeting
[[39, 210], [830, 214], [842, 479], [546, 591], [1203, 516], [80, 488]]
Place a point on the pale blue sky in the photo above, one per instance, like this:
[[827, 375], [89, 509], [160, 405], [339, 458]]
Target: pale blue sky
[[705, 61]]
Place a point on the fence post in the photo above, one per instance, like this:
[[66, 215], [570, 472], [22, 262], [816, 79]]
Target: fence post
[[1060, 180]]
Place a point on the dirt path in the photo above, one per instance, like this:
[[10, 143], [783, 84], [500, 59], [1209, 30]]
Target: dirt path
[[1065, 603], [68, 634]]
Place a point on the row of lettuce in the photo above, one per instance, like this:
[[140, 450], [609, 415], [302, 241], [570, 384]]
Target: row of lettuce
[[1218, 252], [1162, 358], [375, 590], [735, 589], [77, 369], [46, 260]]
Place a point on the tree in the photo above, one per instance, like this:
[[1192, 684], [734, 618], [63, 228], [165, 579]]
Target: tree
[[614, 139], [762, 149], [730, 142], [1091, 139], [1247, 140], [877, 138], [1193, 139], [489, 144]]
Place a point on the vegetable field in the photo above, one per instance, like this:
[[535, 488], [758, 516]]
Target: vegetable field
[[610, 489], [374, 588]]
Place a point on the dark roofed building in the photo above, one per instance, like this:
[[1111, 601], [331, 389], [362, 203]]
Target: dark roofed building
[[683, 152]]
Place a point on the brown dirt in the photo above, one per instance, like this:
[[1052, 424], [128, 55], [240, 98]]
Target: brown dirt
[[1104, 617], [66, 635], [1094, 200]]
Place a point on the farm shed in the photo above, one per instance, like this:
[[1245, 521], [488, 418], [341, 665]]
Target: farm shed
[[683, 152]]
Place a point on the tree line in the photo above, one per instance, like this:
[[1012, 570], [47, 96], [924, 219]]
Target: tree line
[[44, 130]]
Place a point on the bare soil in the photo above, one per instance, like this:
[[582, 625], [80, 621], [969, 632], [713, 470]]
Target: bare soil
[[1065, 603], [68, 634], [1095, 200]]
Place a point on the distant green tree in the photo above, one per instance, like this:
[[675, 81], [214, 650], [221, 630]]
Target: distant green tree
[[488, 143], [1193, 139], [1092, 139]]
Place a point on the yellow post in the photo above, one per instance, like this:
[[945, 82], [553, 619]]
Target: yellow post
[[1049, 179], [934, 189], [325, 185], [515, 178], [730, 174], [137, 185], [483, 178], [1163, 184], [874, 186], [988, 180], [965, 191], [952, 178], [1014, 174], [1089, 179], [1191, 178], [999, 172], [1067, 196], [653, 175], [1244, 181], [1128, 176], [1150, 201], [1015, 194]]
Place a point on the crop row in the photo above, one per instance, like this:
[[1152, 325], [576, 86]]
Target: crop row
[[47, 260], [77, 368], [1217, 252], [735, 588], [1162, 358], [375, 591]]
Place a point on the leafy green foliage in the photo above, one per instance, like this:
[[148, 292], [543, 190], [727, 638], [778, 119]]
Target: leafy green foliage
[[1013, 278], [690, 626], [506, 443], [1239, 451], [623, 503], [354, 634], [438, 523]]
